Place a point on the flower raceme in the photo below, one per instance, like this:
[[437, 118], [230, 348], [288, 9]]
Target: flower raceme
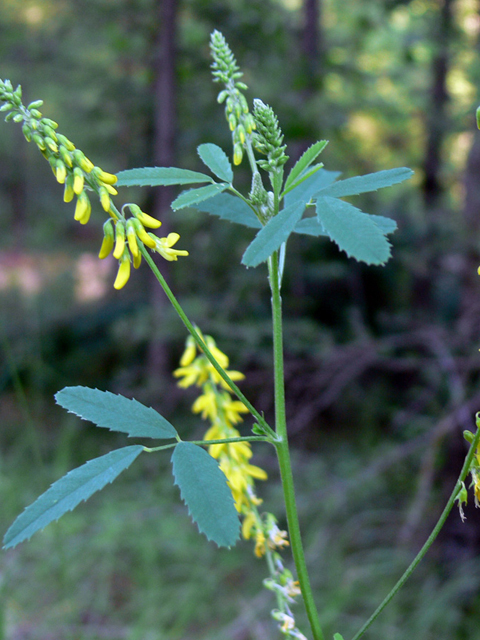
[[123, 236], [216, 405]]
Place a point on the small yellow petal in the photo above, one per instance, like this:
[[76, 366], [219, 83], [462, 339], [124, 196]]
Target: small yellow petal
[[123, 273]]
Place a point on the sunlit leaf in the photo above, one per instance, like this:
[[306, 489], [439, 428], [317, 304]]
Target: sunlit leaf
[[203, 487]]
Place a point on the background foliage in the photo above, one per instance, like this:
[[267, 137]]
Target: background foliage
[[382, 363]]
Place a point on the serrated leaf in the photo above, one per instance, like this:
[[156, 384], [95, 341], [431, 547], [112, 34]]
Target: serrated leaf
[[386, 225], [310, 227], [353, 231], [192, 196], [230, 208], [65, 494], [369, 182], [304, 191], [305, 160], [159, 177], [273, 234], [203, 487], [115, 412], [216, 160]]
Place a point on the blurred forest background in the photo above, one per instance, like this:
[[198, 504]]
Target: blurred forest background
[[382, 364]]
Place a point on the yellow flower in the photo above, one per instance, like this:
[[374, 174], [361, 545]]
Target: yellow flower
[[206, 405], [190, 352], [164, 246], [248, 524], [123, 271], [259, 544]]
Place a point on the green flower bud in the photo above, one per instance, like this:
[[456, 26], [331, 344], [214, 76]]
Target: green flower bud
[[35, 104], [108, 240], [27, 132], [35, 113], [37, 138]]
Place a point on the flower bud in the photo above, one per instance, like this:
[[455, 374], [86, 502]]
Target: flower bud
[[146, 238], [237, 153], [81, 160], [65, 156], [137, 260], [65, 142], [78, 180], [69, 192], [132, 238], [60, 171], [48, 131], [232, 122], [35, 104], [221, 96], [145, 219], [83, 208], [37, 138], [51, 144], [104, 198], [123, 272], [108, 240], [103, 176], [27, 132], [119, 240]]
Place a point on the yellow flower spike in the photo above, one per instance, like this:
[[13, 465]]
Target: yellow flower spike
[[104, 199], [137, 260], [108, 240], [82, 161], [78, 181], [123, 271], [60, 172], [68, 193], [146, 238], [190, 352], [132, 238], [163, 246], [145, 219], [83, 208], [119, 240]]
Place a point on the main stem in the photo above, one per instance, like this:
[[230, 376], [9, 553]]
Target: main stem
[[283, 453]]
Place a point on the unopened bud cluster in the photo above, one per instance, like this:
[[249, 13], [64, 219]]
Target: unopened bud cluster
[[268, 137], [226, 70], [73, 169]]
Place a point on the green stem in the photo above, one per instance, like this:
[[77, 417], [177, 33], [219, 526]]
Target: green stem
[[283, 454], [431, 538], [221, 372]]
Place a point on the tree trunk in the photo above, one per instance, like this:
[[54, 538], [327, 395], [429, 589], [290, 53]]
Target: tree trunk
[[436, 120], [164, 98], [312, 43]]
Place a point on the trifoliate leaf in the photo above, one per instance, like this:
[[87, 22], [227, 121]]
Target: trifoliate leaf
[[217, 161], [115, 412], [273, 234], [229, 208], [305, 160], [65, 494], [192, 196], [159, 177], [353, 231], [203, 487], [369, 182]]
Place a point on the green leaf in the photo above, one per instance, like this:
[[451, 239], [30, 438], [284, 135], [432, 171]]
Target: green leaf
[[65, 494], [305, 160], [273, 234], [217, 161], [230, 208], [370, 182], [192, 196], [310, 227], [159, 177], [114, 412], [203, 487], [306, 174], [304, 191], [337, 636], [353, 231], [386, 225]]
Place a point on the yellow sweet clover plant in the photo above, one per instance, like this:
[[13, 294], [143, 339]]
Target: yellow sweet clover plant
[[215, 475]]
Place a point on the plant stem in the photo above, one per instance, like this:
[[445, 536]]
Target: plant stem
[[221, 372], [431, 538], [283, 453]]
